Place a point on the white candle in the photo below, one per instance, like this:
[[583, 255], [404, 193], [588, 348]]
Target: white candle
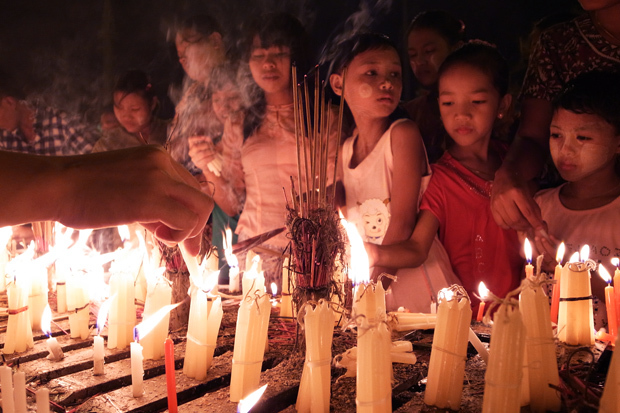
[[122, 318], [6, 389], [446, 366], [53, 347], [401, 321], [314, 387], [137, 369], [159, 295], [19, 392], [286, 308], [98, 356], [253, 280], [18, 335], [78, 302], [43, 401], [37, 298]]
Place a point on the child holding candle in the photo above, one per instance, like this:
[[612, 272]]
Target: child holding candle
[[584, 144], [384, 168], [473, 84]]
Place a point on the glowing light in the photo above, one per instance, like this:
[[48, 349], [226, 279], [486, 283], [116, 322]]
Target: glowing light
[[5, 235], [359, 266], [246, 404], [615, 261], [46, 321], [559, 256], [231, 258], [574, 257], [602, 271], [274, 289], [103, 313], [527, 247], [123, 231], [483, 291], [146, 326], [445, 294], [585, 253]]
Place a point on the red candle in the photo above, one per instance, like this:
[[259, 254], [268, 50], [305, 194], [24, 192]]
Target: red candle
[[555, 298], [483, 292], [609, 301], [171, 384]]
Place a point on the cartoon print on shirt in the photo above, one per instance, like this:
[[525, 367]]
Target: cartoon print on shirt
[[375, 219]]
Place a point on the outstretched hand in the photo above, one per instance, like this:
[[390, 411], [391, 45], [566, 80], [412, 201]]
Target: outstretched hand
[[512, 204]]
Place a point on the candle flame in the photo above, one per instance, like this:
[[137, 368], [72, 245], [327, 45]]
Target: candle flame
[[615, 261], [559, 256], [46, 321], [253, 272], [483, 291], [231, 258], [574, 257], [5, 235], [527, 247], [602, 271], [584, 254], [103, 313], [246, 404], [274, 289], [211, 281], [445, 294], [359, 266], [146, 326], [123, 231]]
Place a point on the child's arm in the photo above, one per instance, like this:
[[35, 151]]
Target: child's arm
[[409, 253], [409, 167]]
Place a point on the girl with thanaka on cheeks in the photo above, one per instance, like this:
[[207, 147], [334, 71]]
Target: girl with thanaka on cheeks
[[135, 105], [473, 84], [431, 36], [384, 168], [584, 144]]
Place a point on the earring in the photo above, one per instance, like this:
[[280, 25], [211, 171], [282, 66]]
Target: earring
[[500, 116]]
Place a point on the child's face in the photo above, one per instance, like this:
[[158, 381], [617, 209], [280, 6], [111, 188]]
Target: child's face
[[271, 67], [226, 102], [582, 145], [469, 104], [374, 83], [427, 50], [197, 55], [132, 111], [108, 121]]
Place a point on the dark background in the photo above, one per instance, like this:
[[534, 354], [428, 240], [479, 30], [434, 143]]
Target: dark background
[[70, 51]]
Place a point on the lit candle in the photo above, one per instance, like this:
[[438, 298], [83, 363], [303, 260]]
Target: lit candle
[[122, 318], [610, 303], [314, 387], [502, 389], [53, 347], [201, 341], [542, 366], [529, 268], [137, 367], [171, 385], [6, 389], [557, 277], [246, 404], [19, 392], [616, 263], [37, 298], [253, 279], [575, 319], [98, 350], [18, 335], [43, 400], [483, 291], [159, 295], [250, 336], [78, 302], [610, 400], [233, 263], [446, 367]]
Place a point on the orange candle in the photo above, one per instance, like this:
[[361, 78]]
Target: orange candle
[[616, 262], [555, 298], [483, 291], [171, 384], [612, 323]]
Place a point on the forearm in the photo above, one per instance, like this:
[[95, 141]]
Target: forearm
[[404, 254], [226, 197], [524, 160]]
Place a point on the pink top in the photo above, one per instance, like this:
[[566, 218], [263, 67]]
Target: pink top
[[478, 248]]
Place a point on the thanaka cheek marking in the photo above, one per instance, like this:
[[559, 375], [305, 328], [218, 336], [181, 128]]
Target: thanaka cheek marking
[[365, 91]]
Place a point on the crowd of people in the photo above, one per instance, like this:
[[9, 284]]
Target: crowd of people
[[443, 188]]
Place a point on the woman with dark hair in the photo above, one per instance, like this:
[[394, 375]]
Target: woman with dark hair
[[135, 106]]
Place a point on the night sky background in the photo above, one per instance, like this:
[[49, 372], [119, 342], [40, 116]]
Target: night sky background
[[70, 51]]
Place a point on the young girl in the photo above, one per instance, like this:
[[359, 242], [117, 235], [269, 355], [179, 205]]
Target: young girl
[[268, 154], [384, 166], [431, 36], [473, 82], [135, 105], [584, 144]]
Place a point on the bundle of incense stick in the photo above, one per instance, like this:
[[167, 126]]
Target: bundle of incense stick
[[43, 232], [314, 227]]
